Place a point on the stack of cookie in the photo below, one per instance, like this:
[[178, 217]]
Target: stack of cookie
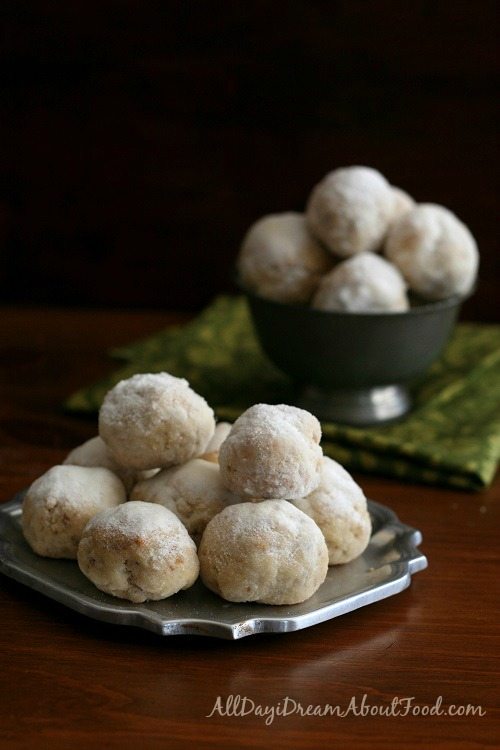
[[360, 246], [164, 494]]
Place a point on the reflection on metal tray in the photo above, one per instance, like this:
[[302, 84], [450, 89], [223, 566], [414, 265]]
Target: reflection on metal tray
[[384, 569]]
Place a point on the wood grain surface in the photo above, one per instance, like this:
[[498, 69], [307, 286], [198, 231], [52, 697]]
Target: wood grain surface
[[70, 682]]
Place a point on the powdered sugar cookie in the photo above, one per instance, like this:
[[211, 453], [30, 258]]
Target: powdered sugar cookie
[[268, 552], [350, 210], [193, 491], [402, 203], [364, 283], [138, 551], [434, 251], [280, 260], [58, 505], [272, 451], [155, 420], [222, 430], [339, 508]]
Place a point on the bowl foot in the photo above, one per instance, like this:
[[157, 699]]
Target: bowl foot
[[358, 406]]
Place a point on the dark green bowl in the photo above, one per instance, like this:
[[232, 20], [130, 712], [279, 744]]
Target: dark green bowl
[[353, 368]]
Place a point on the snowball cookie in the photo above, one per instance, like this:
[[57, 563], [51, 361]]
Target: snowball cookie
[[339, 508], [60, 502], [280, 260], [193, 491], [402, 203], [95, 452], [138, 551], [350, 210], [272, 451], [364, 283], [434, 251], [222, 430], [268, 552], [155, 420]]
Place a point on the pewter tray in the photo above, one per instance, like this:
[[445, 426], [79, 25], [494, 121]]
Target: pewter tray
[[384, 569]]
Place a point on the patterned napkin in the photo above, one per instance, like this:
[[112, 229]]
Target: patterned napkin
[[452, 436]]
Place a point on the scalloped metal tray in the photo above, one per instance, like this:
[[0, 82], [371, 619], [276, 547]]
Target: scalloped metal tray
[[384, 569]]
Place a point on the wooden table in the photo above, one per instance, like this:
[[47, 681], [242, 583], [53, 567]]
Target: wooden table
[[71, 682]]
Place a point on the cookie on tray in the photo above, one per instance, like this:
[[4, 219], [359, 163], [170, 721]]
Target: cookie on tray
[[138, 551], [268, 552]]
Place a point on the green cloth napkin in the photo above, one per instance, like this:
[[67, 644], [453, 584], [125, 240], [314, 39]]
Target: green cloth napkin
[[452, 436]]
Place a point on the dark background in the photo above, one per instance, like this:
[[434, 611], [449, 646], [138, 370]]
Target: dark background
[[139, 140]]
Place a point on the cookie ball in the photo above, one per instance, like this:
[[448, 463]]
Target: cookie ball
[[339, 508], [95, 452], [272, 451], [155, 420], [193, 491], [222, 430], [59, 504], [280, 260], [434, 251], [268, 552], [349, 211], [364, 283], [139, 551], [402, 203]]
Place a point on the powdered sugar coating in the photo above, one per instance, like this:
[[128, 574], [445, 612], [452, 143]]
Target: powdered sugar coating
[[155, 420], [364, 283], [193, 491], [268, 552], [139, 551], [272, 451], [59, 504], [339, 508], [280, 260], [434, 250], [350, 210], [95, 452]]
